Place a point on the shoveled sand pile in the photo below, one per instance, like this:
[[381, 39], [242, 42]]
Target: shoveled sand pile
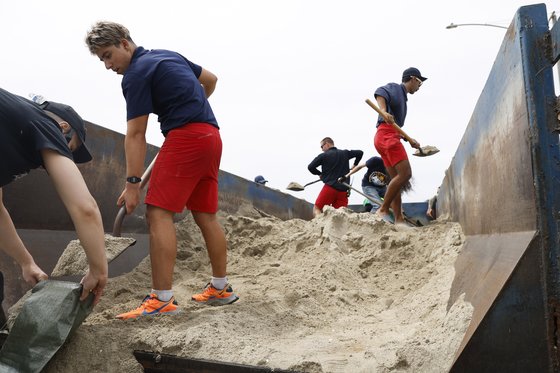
[[344, 292]]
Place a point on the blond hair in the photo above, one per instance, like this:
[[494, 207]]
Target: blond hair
[[104, 34]]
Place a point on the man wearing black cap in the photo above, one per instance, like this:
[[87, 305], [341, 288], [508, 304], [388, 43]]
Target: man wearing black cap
[[392, 100], [51, 136]]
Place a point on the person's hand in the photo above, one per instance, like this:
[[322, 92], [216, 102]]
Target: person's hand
[[415, 144], [430, 213], [389, 118], [342, 179], [130, 197], [32, 274], [94, 283]]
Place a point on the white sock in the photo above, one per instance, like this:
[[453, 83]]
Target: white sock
[[163, 295], [219, 282]]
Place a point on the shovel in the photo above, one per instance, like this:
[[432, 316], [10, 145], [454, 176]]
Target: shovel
[[120, 259], [378, 202], [117, 225], [421, 151], [298, 187]]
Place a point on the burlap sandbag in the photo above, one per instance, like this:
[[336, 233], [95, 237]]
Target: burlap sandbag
[[48, 316]]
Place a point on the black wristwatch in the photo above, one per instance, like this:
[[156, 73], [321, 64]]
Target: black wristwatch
[[133, 179]]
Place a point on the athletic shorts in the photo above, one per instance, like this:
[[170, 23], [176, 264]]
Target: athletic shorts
[[332, 197], [387, 142], [186, 170]]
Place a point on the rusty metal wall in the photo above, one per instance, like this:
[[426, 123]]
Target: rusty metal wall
[[501, 186], [46, 227]]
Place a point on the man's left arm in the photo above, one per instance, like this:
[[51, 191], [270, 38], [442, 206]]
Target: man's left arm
[[208, 81]]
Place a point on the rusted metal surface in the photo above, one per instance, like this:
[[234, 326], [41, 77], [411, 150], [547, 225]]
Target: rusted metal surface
[[46, 227], [502, 187], [154, 362]]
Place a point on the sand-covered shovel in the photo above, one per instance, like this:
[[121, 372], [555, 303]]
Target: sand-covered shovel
[[298, 187]]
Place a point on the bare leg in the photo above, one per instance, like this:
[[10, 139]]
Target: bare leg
[[400, 174], [215, 240], [316, 211], [163, 246]]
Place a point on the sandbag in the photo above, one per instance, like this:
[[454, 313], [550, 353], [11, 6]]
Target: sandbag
[[48, 316]]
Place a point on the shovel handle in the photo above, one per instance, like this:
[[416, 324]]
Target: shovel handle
[[117, 225], [313, 182], [395, 126]]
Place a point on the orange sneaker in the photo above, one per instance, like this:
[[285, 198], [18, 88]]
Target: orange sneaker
[[152, 306], [214, 297]]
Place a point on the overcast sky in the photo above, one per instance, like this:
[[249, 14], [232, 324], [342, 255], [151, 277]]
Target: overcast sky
[[290, 72]]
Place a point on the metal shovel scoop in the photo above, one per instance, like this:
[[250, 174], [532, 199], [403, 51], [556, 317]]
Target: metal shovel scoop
[[425, 151], [298, 187]]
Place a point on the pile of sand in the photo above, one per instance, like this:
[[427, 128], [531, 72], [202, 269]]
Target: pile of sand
[[344, 292]]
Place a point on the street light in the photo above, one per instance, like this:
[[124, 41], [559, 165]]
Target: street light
[[452, 25]]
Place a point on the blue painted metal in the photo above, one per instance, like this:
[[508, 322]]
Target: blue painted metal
[[502, 188]]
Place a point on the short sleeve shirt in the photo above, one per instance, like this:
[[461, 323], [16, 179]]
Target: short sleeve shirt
[[25, 130], [165, 83], [376, 174], [396, 98]]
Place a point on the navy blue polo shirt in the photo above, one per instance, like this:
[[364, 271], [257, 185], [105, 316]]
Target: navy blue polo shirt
[[395, 96], [25, 130], [165, 83]]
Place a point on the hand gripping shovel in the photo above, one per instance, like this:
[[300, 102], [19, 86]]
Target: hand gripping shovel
[[423, 151], [298, 187]]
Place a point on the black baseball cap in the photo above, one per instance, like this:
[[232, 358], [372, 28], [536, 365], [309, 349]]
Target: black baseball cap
[[82, 154], [413, 71]]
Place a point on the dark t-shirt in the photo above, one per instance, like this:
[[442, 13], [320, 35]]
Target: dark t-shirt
[[334, 164], [25, 130], [165, 83], [376, 174], [395, 97]]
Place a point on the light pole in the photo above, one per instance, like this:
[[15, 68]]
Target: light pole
[[452, 25]]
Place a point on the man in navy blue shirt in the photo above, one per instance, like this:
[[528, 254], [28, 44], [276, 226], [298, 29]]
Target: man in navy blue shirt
[[50, 136], [334, 164], [185, 173], [392, 100]]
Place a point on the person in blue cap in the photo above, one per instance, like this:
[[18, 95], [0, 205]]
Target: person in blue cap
[[50, 136], [260, 180]]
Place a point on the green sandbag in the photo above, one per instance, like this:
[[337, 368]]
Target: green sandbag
[[50, 314]]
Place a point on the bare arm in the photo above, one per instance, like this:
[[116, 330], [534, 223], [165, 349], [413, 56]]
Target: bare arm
[[135, 150], [11, 244], [85, 215], [208, 81]]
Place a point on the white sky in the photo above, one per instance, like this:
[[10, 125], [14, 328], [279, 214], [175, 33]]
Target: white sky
[[290, 72]]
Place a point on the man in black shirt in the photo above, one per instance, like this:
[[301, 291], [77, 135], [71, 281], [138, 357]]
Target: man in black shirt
[[334, 164], [50, 135]]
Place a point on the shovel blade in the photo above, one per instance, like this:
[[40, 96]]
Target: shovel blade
[[426, 151], [295, 187]]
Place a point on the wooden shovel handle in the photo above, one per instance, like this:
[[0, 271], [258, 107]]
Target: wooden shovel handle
[[395, 126]]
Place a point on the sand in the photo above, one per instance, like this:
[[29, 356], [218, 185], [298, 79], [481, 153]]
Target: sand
[[345, 292]]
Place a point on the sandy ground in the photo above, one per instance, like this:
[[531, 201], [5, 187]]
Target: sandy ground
[[342, 293]]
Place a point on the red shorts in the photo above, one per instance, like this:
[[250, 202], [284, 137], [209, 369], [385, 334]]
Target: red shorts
[[186, 170], [332, 197], [387, 142]]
